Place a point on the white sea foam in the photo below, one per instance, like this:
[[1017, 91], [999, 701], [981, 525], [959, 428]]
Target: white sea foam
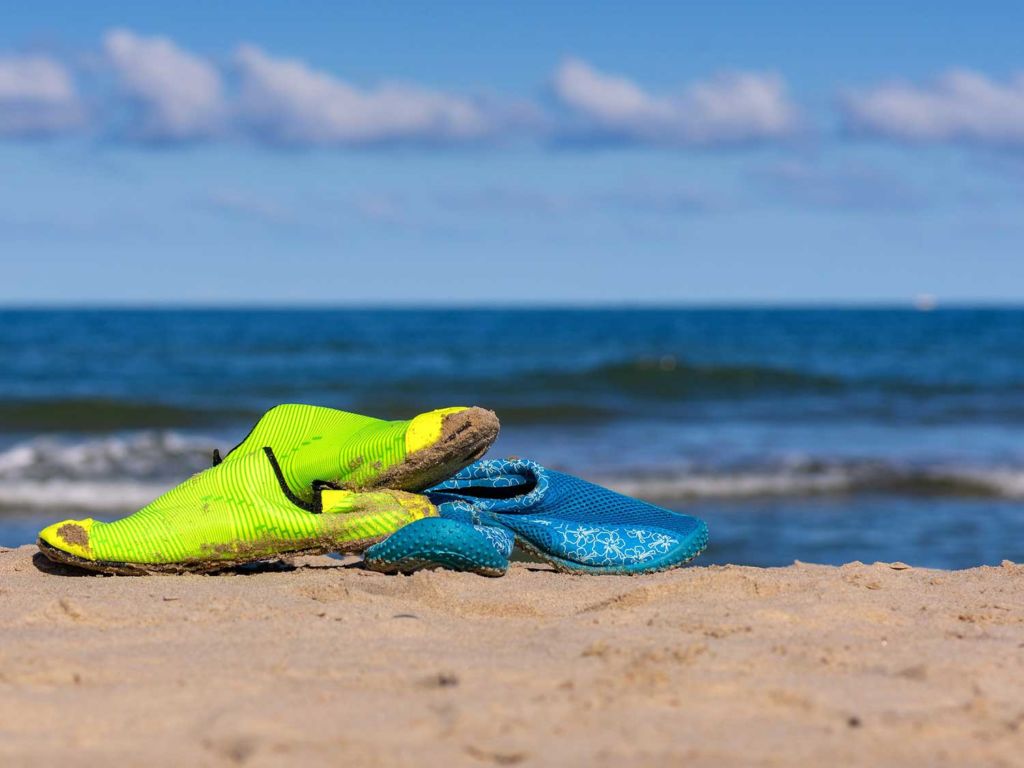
[[109, 473], [1008, 482], [735, 484], [61, 495], [141, 455], [1004, 482]]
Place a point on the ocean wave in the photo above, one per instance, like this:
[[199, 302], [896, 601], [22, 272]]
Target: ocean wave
[[618, 387], [139, 456], [670, 377], [64, 496], [589, 395], [122, 473], [115, 474], [827, 480], [523, 395], [119, 496], [104, 415]]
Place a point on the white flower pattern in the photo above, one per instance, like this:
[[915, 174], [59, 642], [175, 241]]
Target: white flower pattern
[[602, 545]]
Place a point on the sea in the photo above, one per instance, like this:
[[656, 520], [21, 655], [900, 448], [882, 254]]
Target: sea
[[822, 435]]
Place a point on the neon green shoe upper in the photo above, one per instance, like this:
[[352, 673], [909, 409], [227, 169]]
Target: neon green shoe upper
[[238, 511], [312, 443]]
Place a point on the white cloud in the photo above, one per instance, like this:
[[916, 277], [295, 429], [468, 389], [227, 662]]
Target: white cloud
[[731, 108], [165, 93], [179, 95], [286, 101], [37, 97], [961, 105]]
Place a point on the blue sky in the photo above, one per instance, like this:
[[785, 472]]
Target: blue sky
[[521, 153]]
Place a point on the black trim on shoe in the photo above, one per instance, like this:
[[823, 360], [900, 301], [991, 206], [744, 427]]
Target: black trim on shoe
[[316, 507], [216, 457]]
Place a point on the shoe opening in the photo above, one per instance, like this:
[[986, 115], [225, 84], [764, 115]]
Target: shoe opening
[[520, 487]]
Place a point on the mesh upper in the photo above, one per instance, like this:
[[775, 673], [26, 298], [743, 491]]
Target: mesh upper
[[543, 493]]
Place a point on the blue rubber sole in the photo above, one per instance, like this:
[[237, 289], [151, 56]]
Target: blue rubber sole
[[443, 543], [689, 548], [436, 542]]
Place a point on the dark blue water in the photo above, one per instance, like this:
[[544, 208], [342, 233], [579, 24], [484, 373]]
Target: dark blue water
[[819, 435]]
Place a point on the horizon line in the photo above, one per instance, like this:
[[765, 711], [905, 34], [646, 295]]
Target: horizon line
[[912, 304]]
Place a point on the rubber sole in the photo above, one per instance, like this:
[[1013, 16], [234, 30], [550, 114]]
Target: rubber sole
[[465, 437], [450, 561], [436, 543], [191, 566], [444, 543], [690, 548]]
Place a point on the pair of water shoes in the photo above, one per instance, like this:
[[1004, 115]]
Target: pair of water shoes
[[310, 480]]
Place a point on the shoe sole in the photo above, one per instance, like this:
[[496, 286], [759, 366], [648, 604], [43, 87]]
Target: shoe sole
[[465, 437], [114, 568], [693, 546], [444, 561], [440, 543]]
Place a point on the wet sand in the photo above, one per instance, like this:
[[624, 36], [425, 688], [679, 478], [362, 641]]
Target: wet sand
[[327, 664]]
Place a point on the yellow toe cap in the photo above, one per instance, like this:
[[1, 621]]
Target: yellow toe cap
[[71, 536], [426, 429]]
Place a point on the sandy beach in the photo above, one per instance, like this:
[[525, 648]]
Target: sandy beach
[[325, 663]]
